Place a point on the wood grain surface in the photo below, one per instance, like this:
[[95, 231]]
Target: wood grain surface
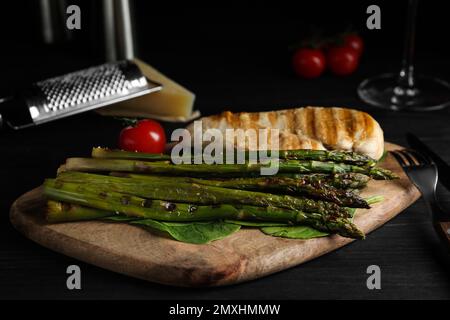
[[245, 255]]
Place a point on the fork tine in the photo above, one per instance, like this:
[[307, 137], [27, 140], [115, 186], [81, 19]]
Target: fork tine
[[399, 158], [408, 157], [421, 158]]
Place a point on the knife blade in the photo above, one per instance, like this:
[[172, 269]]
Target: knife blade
[[443, 168]]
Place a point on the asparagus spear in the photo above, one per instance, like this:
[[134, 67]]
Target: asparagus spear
[[317, 189], [63, 211], [337, 180], [325, 155], [85, 195], [301, 154], [171, 189], [106, 153], [162, 167], [294, 187]]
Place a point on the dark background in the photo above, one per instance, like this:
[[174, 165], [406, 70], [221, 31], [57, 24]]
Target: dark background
[[204, 35], [233, 55]]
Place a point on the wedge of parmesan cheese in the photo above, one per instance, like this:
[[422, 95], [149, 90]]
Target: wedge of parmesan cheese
[[173, 103]]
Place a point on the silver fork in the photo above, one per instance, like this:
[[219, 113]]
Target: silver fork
[[424, 174]]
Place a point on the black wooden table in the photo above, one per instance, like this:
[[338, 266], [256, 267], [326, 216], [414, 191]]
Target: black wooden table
[[412, 263]]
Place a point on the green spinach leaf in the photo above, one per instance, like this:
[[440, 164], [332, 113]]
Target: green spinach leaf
[[257, 223], [192, 232], [120, 218], [294, 232]]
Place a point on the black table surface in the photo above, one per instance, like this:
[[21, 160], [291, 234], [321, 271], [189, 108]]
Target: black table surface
[[413, 264]]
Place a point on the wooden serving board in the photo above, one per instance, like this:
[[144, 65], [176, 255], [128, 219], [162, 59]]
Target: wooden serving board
[[245, 255]]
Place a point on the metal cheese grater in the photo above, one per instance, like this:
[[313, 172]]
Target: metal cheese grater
[[74, 93]]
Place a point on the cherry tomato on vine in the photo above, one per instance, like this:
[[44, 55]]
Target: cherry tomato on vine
[[308, 63], [342, 61], [355, 42], [145, 136]]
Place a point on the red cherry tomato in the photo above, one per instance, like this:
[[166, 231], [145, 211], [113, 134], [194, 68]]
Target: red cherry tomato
[[308, 63], [355, 42], [342, 61], [146, 136]]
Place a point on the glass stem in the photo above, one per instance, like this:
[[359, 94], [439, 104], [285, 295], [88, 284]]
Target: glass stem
[[406, 76]]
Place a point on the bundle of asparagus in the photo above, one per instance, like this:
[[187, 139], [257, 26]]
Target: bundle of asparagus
[[314, 194]]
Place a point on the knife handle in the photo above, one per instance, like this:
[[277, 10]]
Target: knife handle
[[443, 230]]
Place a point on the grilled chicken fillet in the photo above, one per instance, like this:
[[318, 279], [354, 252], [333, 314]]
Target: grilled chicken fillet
[[315, 128]]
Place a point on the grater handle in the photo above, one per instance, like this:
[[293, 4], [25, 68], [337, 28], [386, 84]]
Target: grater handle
[[14, 113]]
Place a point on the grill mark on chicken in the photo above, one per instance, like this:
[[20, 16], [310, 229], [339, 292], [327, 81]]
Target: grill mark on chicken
[[329, 127], [346, 116], [254, 117], [369, 125], [272, 118], [361, 126], [298, 124], [354, 125], [291, 121], [310, 123], [339, 130]]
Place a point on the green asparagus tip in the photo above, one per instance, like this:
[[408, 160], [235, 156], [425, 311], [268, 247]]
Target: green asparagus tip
[[374, 199]]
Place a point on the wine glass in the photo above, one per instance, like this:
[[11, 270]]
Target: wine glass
[[406, 90]]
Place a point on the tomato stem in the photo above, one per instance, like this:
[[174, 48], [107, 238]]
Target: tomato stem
[[127, 121]]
